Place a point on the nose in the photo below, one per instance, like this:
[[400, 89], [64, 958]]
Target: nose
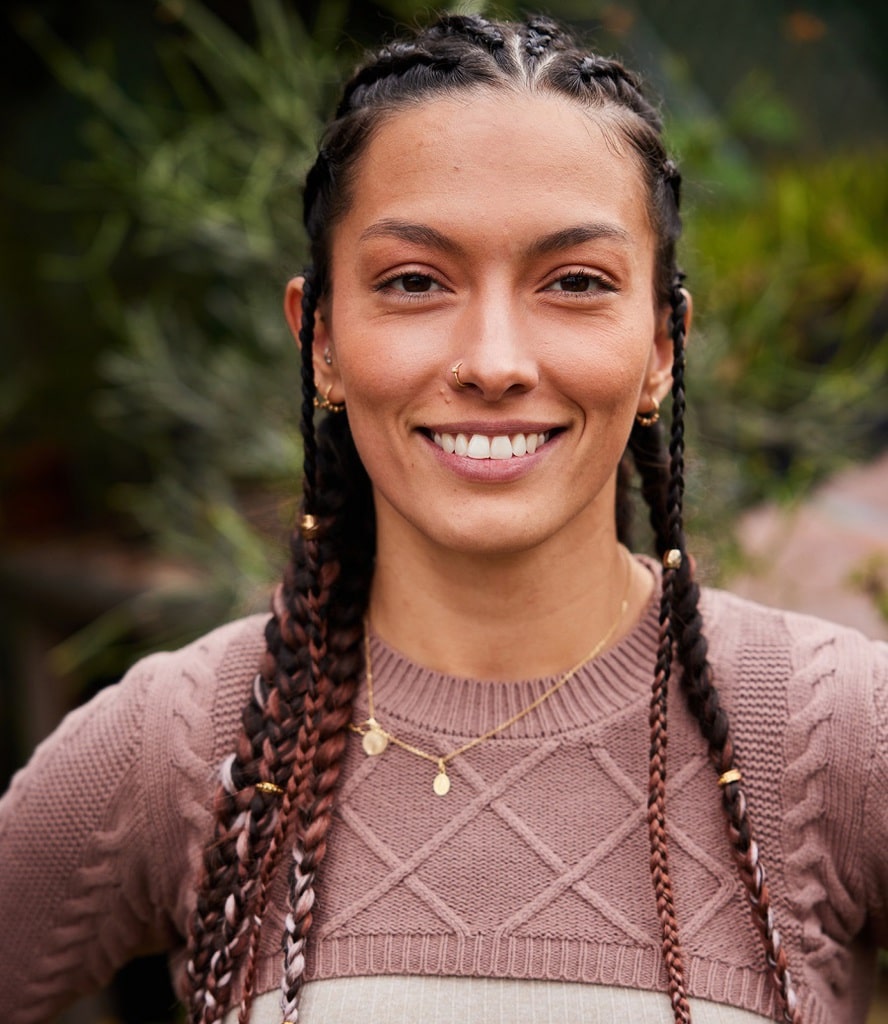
[[495, 354]]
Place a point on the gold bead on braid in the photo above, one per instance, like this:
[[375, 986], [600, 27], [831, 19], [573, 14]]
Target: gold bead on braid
[[672, 559], [269, 787], [309, 526]]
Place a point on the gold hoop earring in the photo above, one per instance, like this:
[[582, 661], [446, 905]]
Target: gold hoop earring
[[325, 403], [649, 418], [455, 371]]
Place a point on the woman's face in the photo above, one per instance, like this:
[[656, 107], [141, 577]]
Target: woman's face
[[508, 234]]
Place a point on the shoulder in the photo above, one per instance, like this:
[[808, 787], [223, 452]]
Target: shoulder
[[204, 685], [209, 662], [142, 756], [192, 701], [756, 641], [106, 824], [808, 701], [808, 696], [187, 684]]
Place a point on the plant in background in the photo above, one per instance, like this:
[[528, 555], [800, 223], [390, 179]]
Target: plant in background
[[191, 196], [794, 322]]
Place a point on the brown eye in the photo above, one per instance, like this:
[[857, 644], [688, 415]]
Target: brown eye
[[581, 282], [575, 283], [416, 282]]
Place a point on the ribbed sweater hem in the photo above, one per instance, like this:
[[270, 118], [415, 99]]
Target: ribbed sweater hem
[[558, 960]]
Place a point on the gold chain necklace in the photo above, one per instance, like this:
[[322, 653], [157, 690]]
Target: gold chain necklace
[[375, 739]]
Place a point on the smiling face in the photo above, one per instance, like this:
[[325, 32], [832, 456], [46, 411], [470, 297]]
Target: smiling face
[[506, 234]]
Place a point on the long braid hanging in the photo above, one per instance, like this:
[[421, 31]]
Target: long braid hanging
[[671, 946], [335, 660], [304, 698], [302, 898], [681, 630], [703, 701]]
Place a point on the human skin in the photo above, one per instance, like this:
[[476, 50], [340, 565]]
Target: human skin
[[507, 232]]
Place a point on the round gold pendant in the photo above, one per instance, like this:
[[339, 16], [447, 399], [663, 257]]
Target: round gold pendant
[[374, 741], [441, 785]]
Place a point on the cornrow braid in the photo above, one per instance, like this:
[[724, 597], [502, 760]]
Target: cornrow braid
[[476, 29], [540, 36], [396, 60], [220, 931], [349, 536]]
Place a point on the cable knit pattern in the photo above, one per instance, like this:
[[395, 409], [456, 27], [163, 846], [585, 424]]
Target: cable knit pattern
[[535, 866]]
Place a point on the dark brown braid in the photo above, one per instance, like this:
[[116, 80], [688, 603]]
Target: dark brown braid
[[703, 698], [294, 727], [681, 632]]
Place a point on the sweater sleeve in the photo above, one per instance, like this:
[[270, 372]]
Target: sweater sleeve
[[875, 814], [95, 849]]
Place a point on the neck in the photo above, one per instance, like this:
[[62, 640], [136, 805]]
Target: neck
[[505, 617]]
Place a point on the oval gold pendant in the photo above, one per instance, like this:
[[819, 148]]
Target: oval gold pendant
[[374, 741], [441, 785]]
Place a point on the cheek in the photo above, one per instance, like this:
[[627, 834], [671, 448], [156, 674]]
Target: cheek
[[609, 369], [381, 369]]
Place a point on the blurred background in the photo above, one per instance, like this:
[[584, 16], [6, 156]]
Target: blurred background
[[150, 181]]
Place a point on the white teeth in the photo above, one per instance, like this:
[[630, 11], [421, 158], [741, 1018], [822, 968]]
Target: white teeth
[[480, 446], [501, 447]]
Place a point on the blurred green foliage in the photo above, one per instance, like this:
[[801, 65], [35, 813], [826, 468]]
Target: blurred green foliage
[[187, 201], [794, 314]]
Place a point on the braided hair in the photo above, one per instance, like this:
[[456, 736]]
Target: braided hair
[[278, 786]]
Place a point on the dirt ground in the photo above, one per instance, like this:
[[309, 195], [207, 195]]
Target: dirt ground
[[827, 555]]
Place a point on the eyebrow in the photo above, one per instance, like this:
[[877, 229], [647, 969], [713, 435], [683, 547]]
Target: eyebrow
[[565, 238], [420, 234]]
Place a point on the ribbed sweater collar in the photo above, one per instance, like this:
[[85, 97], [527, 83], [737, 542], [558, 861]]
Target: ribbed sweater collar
[[408, 695]]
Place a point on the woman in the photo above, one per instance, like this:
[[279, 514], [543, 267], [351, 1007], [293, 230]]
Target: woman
[[492, 317]]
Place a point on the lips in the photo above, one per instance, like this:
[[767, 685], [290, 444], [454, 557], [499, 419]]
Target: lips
[[490, 446]]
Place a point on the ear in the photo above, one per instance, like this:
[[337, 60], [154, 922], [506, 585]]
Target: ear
[[658, 379], [326, 373]]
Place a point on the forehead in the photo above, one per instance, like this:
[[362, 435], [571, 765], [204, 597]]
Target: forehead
[[500, 164]]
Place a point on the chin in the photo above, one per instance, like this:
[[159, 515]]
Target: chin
[[490, 538]]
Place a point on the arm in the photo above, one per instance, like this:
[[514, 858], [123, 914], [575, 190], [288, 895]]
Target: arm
[[875, 807], [79, 894]]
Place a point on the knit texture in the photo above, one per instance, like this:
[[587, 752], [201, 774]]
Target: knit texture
[[536, 864]]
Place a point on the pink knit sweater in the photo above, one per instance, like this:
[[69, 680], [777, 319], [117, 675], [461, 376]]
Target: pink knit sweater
[[534, 866]]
